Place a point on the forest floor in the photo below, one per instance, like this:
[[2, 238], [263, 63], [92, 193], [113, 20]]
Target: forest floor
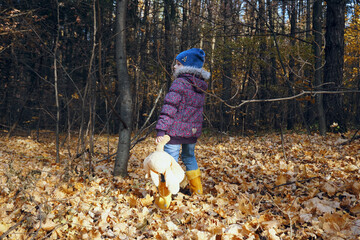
[[306, 187]]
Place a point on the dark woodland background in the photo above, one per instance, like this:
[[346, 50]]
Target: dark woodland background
[[256, 49]]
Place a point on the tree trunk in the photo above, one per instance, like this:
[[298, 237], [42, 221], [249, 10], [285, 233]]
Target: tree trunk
[[226, 78], [291, 103], [169, 13], [92, 90], [56, 86], [334, 62], [317, 45], [307, 70], [357, 100], [272, 54], [194, 26], [185, 27], [146, 102], [263, 113], [122, 157]]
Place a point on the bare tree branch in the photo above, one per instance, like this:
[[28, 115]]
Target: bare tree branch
[[148, 118], [313, 93]]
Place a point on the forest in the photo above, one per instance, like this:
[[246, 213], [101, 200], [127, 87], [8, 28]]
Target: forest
[[59, 56], [82, 83]]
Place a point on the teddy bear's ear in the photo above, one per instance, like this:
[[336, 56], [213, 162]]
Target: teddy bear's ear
[[146, 167], [177, 170], [154, 177], [146, 163], [171, 183]]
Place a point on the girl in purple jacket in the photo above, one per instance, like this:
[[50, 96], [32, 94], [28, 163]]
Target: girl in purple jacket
[[181, 116]]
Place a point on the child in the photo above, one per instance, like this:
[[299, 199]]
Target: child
[[181, 115]]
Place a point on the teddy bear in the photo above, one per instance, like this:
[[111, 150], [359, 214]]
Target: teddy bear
[[165, 173]]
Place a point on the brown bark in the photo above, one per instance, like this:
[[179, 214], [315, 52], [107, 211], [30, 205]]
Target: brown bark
[[122, 157], [334, 62]]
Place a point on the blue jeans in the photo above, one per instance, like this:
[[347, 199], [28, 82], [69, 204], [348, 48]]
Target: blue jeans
[[187, 154]]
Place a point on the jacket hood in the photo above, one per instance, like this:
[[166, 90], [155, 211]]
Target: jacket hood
[[195, 76], [199, 72]]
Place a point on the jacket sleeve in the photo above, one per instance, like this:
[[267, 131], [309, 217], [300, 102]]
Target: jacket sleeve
[[170, 108]]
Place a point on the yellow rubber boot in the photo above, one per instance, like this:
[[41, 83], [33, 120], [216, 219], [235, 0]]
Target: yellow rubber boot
[[163, 201], [194, 177]]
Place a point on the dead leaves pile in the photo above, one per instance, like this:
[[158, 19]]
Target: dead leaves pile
[[307, 187]]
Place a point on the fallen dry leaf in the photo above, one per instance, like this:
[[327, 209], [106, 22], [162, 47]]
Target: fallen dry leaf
[[329, 189], [147, 201], [281, 179], [355, 209]]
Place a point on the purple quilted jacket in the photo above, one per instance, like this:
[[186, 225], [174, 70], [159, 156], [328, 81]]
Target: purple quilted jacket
[[181, 116]]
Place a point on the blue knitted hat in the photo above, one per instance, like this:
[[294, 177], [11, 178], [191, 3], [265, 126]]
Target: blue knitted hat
[[193, 57]]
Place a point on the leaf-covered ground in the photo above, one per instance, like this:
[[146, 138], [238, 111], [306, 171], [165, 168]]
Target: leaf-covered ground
[[255, 188]]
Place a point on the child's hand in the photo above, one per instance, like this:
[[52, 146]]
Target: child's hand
[[159, 139]]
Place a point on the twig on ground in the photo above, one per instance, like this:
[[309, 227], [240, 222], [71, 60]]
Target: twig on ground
[[40, 224], [292, 182], [50, 232], [288, 213], [4, 235], [107, 158], [352, 138]]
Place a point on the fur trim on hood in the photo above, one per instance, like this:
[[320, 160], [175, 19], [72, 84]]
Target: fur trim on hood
[[199, 72]]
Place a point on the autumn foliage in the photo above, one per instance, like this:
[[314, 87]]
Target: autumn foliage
[[304, 187]]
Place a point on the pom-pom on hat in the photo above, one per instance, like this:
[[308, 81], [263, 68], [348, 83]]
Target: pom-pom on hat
[[193, 57]]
